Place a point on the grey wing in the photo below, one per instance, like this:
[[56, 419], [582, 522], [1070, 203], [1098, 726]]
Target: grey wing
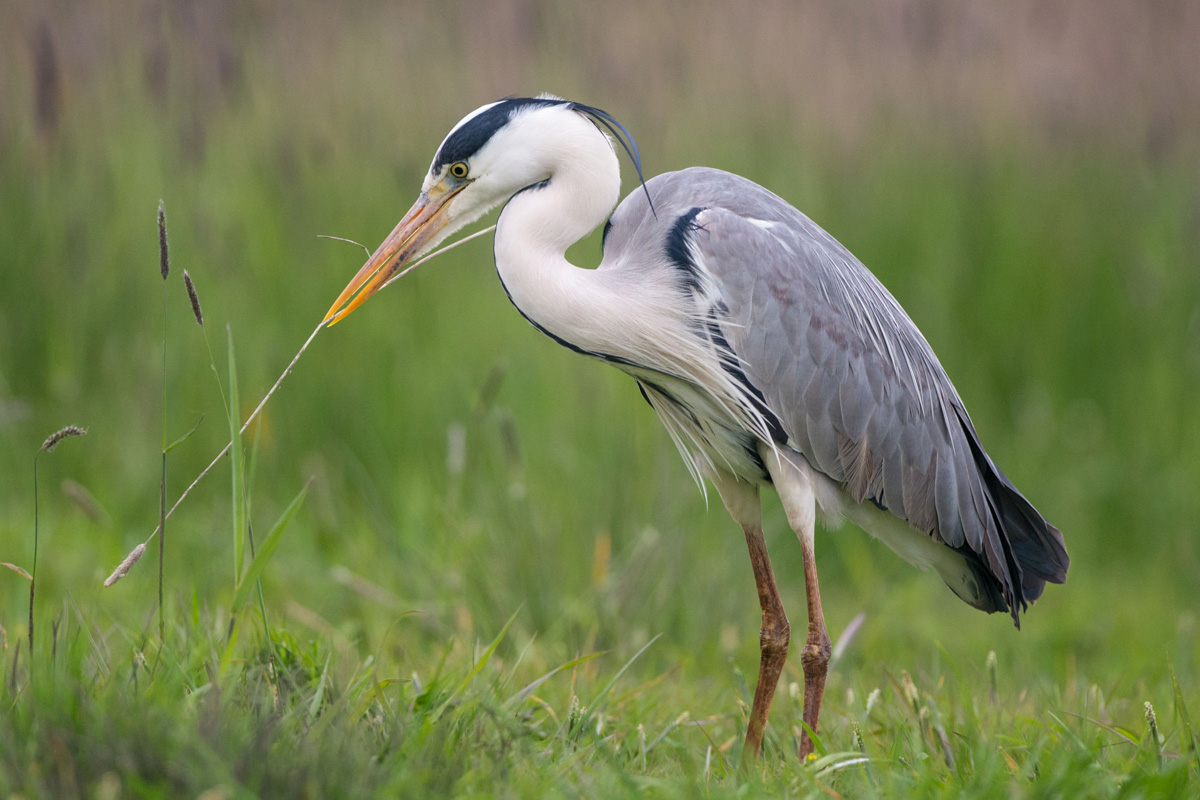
[[855, 385]]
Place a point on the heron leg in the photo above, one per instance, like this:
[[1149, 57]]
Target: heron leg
[[741, 500], [794, 484], [815, 655]]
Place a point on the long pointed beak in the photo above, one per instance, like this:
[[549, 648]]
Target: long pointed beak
[[423, 221]]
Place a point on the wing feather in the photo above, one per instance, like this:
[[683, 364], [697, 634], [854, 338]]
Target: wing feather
[[855, 386]]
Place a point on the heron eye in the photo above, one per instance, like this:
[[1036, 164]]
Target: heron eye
[[459, 169]]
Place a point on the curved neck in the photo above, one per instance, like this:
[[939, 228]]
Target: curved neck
[[537, 226]]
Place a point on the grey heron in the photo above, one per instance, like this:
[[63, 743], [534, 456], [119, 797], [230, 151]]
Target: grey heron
[[770, 353]]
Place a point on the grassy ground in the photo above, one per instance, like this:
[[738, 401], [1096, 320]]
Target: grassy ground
[[501, 581]]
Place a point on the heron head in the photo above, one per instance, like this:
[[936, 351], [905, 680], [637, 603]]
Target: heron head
[[492, 154]]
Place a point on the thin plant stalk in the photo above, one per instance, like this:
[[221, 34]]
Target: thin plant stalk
[[51, 442], [437, 252], [162, 483], [237, 457], [33, 572], [262, 602], [165, 269]]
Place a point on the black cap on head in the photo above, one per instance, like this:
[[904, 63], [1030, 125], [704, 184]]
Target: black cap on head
[[479, 129], [472, 135]]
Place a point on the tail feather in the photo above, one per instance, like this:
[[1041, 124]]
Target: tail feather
[[1033, 549], [1036, 545]]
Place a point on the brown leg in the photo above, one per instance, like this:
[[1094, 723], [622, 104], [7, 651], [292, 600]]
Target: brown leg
[[815, 655], [772, 642], [741, 499], [792, 477]]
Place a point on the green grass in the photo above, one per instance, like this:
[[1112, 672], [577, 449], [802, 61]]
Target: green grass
[[1056, 283]]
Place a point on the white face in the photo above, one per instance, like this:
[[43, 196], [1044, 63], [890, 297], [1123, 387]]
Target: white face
[[526, 150], [486, 159]]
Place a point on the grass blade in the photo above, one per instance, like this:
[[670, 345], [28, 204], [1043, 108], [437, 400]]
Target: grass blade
[[226, 659], [251, 470], [238, 469], [827, 765], [1126, 734], [259, 563], [483, 660], [373, 693], [524, 694], [315, 704], [819, 749], [1181, 710], [602, 696], [17, 570], [186, 436]]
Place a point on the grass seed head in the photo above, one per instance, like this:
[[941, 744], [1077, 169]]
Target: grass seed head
[[574, 714], [123, 568], [910, 690], [858, 738], [195, 298], [1152, 721], [65, 433], [164, 256], [872, 699]]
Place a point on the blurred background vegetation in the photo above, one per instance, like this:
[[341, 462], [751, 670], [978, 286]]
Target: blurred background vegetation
[[1023, 176]]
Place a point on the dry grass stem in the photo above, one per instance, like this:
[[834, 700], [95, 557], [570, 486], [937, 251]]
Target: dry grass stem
[[940, 729], [437, 252], [164, 256], [195, 298], [347, 241], [123, 569], [253, 415], [335, 317], [65, 433]]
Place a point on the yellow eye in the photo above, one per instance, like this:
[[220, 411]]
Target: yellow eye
[[459, 169]]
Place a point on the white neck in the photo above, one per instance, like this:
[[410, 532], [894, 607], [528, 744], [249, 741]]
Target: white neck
[[538, 225], [631, 308]]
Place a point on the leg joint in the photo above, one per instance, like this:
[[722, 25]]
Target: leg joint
[[774, 636], [815, 655]]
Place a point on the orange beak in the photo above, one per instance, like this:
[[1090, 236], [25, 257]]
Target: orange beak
[[423, 221]]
